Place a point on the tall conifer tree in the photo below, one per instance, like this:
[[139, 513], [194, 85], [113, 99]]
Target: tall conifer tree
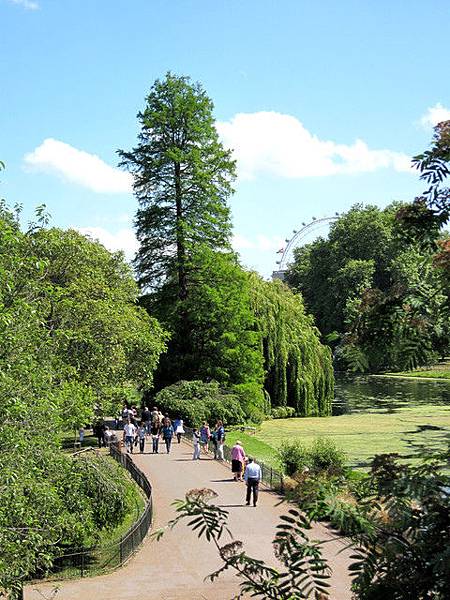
[[182, 179]]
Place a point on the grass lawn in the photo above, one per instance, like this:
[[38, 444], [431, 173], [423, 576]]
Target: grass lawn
[[408, 431]]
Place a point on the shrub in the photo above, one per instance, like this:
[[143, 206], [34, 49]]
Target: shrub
[[196, 401], [322, 456], [293, 457]]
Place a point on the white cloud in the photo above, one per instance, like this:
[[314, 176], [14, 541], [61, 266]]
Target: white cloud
[[27, 4], [79, 167], [434, 115], [279, 144], [124, 239]]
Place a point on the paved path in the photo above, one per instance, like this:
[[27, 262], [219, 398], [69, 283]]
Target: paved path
[[174, 567]]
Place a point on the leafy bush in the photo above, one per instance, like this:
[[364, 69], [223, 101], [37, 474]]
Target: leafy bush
[[283, 412], [196, 401], [325, 497], [322, 456], [293, 457]]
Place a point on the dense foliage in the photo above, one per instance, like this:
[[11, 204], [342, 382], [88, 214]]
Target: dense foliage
[[251, 336], [72, 342], [298, 368], [222, 343], [196, 402], [375, 287]]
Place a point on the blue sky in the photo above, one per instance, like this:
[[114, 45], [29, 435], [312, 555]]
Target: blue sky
[[323, 103]]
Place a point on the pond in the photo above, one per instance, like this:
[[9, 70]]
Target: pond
[[375, 394]]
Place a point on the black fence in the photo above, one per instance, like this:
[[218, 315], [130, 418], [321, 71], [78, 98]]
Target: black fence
[[98, 559], [269, 476]]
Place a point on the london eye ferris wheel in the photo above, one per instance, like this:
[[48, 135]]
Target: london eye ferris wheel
[[306, 233]]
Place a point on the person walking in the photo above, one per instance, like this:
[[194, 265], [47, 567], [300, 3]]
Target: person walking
[[167, 433], [196, 442], [142, 432], [252, 477], [99, 432], [129, 431], [205, 434], [219, 434], [155, 432], [179, 429], [237, 460], [146, 418]]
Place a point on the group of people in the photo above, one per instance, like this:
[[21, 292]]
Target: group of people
[[153, 424], [243, 468], [201, 438]]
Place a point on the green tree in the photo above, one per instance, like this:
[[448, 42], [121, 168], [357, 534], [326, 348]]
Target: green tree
[[71, 338], [326, 274], [182, 180], [298, 367], [222, 344], [433, 165], [100, 339], [373, 287]]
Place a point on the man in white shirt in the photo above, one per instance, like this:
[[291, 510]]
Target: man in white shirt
[[252, 477], [129, 431]]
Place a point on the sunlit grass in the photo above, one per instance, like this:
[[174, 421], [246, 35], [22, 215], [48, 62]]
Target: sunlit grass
[[410, 431]]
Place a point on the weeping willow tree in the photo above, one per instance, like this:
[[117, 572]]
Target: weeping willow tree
[[298, 367]]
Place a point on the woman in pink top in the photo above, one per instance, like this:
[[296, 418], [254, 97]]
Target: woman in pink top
[[237, 460]]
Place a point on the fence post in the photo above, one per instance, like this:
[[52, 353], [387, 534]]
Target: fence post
[[271, 472], [121, 551], [82, 565]]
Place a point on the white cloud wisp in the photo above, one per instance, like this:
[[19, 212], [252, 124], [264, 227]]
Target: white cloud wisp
[[27, 4], [124, 239], [434, 115], [77, 166], [279, 144]]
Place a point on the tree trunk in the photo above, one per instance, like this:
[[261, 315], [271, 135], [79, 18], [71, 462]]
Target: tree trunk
[[181, 250]]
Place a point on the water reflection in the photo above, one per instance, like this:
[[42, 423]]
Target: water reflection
[[369, 393]]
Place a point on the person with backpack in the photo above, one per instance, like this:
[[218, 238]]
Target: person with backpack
[[146, 418], [167, 433]]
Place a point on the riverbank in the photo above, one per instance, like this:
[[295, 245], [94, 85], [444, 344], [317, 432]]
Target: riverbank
[[438, 371]]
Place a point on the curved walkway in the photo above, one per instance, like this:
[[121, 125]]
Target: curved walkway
[[174, 568]]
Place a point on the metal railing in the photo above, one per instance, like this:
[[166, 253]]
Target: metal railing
[[82, 562], [269, 476]]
